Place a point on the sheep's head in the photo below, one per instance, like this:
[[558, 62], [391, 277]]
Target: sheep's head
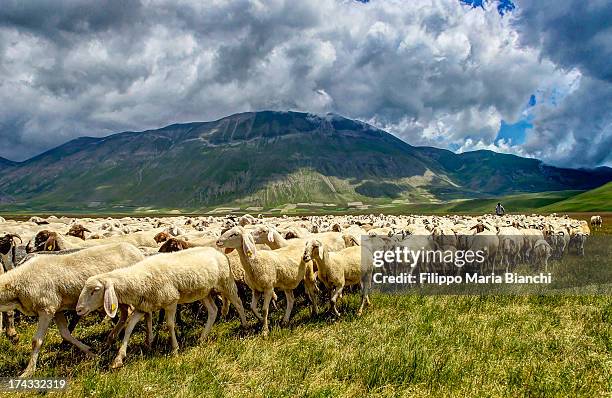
[[350, 240], [290, 235], [173, 245], [44, 241], [313, 249], [237, 238], [98, 292], [263, 234], [7, 243], [161, 237], [78, 231]]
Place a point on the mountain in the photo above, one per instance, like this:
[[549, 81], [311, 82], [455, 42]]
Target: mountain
[[269, 159], [4, 163]]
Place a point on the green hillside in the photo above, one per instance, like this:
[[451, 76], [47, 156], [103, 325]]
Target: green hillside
[[270, 160], [598, 199]]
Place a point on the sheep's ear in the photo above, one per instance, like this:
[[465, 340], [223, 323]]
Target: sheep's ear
[[248, 245], [51, 244], [111, 304], [228, 250], [270, 235], [320, 247]]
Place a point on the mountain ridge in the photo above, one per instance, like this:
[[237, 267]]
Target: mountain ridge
[[269, 159]]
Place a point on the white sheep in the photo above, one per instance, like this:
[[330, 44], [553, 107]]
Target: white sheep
[[267, 270], [162, 282], [339, 269], [45, 286], [596, 221], [541, 253]]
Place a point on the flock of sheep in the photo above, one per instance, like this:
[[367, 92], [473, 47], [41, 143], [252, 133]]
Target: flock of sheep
[[137, 266]]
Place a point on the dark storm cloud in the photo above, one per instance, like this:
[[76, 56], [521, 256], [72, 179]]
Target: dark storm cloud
[[433, 73], [576, 35], [573, 33]]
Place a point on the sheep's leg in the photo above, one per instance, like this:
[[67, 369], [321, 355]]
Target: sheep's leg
[[212, 316], [44, 319], [312, 295], [171, 322], [73, 322], [254, 302], [62, 325], [364, 300], [10, 331], [334, 299], [366, 285], [266, 308], [134, 319], [290, 301], [225, 306], [112, 336], [237, 303], [274, 300], [149, 320]]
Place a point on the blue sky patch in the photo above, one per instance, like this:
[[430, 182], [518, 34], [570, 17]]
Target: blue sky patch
[[514, 132], [503, 6]]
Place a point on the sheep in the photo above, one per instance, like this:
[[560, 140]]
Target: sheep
[[488, 242], [161, 237], [267, 270], [174, 245], [577, 240], [162, 282], [541, 253], [45, 286], [8, 248], [596, 221], [558, 240], [38, 220], [339, 269], [511, 242], [78, 231], [50, 241], [266, 234]]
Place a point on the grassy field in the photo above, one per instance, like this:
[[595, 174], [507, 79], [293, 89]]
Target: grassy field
[[598, 199], [403, 346]]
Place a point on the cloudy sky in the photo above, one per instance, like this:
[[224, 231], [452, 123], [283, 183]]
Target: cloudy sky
[[532, 77]]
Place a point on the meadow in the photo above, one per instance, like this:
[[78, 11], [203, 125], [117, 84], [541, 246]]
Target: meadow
[[404, 345]]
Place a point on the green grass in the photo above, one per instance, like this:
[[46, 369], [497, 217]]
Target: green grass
[[526, 202], [598, 199], [420, 346]]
